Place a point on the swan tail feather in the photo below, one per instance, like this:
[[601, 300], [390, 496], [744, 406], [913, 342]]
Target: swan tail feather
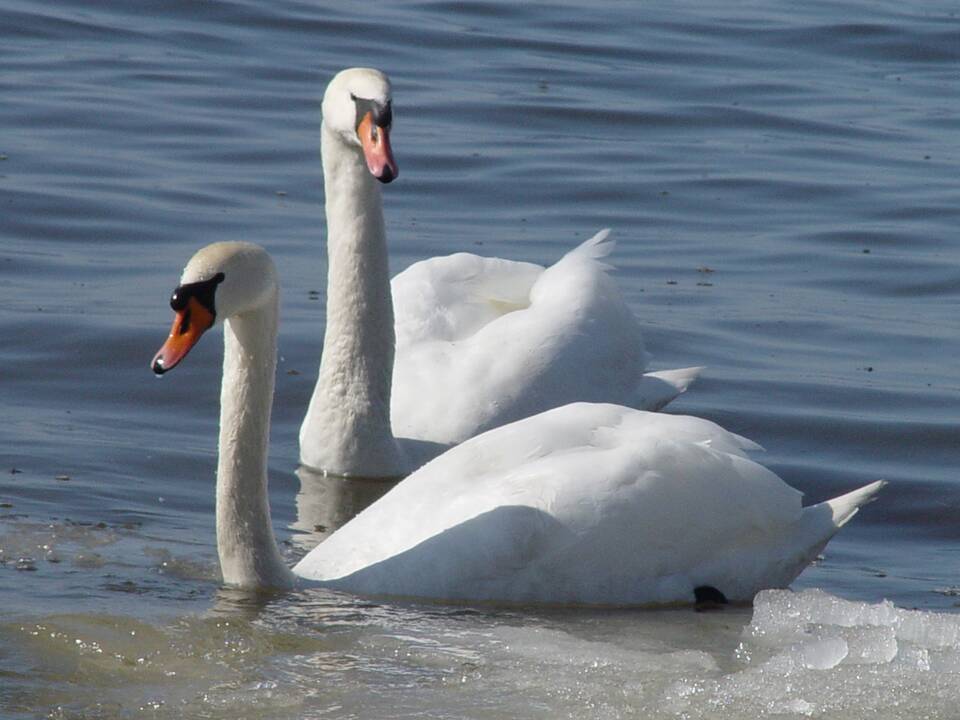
[[846, 506], [656, 389], [818, 523], [594, 248], [775, 558]]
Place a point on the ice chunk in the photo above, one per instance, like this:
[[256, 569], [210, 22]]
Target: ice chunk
[[781, 615], [934, 630], [821, 654], [869, 645], [813, 654]]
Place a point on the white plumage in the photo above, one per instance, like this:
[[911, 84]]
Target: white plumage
[[485, 341], [454, 345], [585, 504]]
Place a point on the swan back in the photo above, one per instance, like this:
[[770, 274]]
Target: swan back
[[489, 341], [584, 503]]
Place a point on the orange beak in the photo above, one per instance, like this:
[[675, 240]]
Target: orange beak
[[376, 149], [188, 325]]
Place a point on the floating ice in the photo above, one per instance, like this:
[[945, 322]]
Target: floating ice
[[318, 654], [811, 654]]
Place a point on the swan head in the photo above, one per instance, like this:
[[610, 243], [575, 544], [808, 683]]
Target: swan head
[[221, 281], [357, 108]]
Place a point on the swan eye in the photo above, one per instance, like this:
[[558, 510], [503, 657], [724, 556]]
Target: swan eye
[[179, 299], [203, 291], [382, 114]]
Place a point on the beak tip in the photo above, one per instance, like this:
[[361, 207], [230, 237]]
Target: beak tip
[[157, 365], [388, 175]]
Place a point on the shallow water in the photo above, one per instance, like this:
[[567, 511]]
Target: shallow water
[[782, 182]]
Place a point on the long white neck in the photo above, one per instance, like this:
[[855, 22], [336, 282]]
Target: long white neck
[[249, 556], [347, 430]]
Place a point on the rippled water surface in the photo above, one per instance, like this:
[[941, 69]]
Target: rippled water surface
[[783, 182]]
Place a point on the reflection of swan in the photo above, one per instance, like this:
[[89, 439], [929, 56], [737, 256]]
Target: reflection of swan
[[480, 342], [325, 502], [581, 504]]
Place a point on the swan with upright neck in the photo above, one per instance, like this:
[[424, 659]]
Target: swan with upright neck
[[583, 504], [455, 345]]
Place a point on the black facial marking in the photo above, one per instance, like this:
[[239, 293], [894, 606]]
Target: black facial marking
[[203, 292], [382, 114]]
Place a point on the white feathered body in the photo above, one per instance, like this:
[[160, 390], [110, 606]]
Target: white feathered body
[[593, 504], [479, 342], [482, 342]]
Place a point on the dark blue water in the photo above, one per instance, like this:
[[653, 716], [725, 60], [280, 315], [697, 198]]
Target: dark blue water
[[783, 183]]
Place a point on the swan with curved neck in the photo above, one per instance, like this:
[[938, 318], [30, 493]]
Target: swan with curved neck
[[236, 282], [583, 504], [459, 344]]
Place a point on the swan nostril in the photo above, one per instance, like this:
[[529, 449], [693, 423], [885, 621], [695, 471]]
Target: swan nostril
[[185, 323]]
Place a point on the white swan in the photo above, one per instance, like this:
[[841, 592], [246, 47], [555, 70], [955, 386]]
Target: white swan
[[479, 342], [591, 504]]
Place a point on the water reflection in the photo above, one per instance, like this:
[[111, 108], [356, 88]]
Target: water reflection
[[326, 502], [241, 604]]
